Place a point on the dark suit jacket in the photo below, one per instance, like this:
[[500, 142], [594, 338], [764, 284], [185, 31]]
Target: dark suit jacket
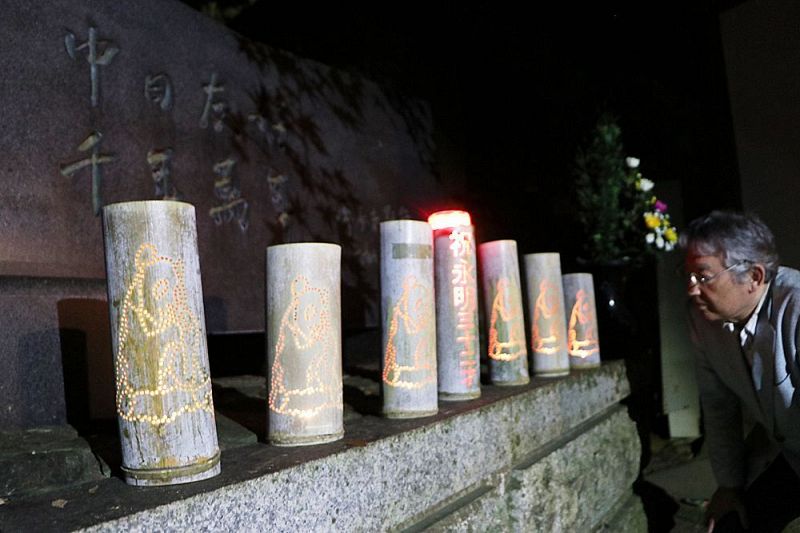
[[749, 420]]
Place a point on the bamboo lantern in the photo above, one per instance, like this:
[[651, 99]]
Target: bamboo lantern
[[163, 386], [457, 340], [546, 312], [508, 355], [304, 344], [583, 344], [409, 320]]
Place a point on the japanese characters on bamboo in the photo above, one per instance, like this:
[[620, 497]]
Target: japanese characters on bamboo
[[457, 339]]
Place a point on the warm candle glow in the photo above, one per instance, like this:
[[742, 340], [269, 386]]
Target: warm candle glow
[[506, 338], [465, 301], [156, 315], [581, 339], [547, 308], [306, 331], [410, 327], [449, 219]]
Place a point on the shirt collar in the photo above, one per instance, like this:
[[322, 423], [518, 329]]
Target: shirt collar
[[749, 328]]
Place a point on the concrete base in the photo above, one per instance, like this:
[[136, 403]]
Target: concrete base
[[557, 455]]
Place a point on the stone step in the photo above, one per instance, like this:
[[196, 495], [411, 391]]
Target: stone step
[[35, 461], [41, 460]]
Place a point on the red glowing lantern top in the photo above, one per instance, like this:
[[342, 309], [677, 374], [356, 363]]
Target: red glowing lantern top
[[449, 219]]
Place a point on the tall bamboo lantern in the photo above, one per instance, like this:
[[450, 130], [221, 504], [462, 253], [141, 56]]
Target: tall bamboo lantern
[[304, 344], [163, 386], [505, 321], [457, 338], [409, 320], [546, 313], [583, 344]]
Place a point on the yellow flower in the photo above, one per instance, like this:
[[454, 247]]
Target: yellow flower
[[671, 235], [652, 220]]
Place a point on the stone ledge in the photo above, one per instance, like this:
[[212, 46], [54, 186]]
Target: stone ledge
[[33, 460], [550, 491], [385, 474], [579, 479]]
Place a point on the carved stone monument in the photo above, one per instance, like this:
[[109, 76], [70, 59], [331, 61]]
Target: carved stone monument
[[107, 102]]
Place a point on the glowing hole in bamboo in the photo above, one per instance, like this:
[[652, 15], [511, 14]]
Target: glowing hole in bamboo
[[449, 219]]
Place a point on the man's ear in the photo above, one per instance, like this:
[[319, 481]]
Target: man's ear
[[758, 274]]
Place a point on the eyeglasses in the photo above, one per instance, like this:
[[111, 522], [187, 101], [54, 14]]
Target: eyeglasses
[[699, 279]]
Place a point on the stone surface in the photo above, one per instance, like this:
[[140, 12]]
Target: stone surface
[[231, 434], [448, 472], [53, 458], [483, 509], [579, 481], [37, 460]]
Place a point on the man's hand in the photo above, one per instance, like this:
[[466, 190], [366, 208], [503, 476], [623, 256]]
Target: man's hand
[[724, 501]]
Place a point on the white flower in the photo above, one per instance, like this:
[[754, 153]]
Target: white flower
[[660, 242], [632, 162], [644, 184], [650, 237], [668, 246]]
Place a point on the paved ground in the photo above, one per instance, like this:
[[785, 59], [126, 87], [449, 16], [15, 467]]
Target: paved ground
[[685, 476]]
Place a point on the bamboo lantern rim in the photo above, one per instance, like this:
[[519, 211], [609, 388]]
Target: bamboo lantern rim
[[497, 242], [299, 244], [146, 202]]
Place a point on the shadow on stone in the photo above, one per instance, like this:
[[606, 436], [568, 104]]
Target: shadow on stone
[[236, 354], [361, 401], [87, 360], [246, 409], [103, 439]]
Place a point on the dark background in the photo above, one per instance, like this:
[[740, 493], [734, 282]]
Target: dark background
[[515, 91]]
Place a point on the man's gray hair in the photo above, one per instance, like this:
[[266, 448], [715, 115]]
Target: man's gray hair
[[734, 237]]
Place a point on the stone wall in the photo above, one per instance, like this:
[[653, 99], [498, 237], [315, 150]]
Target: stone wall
[[760, 43], [556, 455]]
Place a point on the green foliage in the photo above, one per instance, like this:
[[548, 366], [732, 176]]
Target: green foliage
[[615, 209]]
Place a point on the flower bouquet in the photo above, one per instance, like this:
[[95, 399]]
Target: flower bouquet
[[621, 217]]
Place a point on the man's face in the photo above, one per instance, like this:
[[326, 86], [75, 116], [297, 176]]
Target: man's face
[[722, 298]]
